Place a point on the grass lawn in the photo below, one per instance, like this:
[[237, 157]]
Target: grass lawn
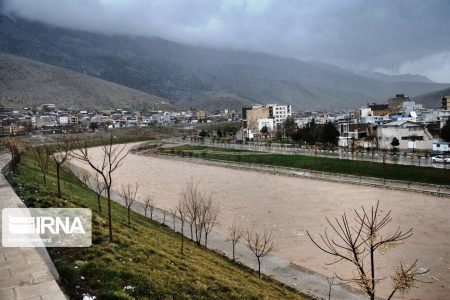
[[192, 148], [345, 166], [216, 126], [145, 256]]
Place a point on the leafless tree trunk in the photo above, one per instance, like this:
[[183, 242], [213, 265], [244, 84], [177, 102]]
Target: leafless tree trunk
[[112, 157], [191, 195], [331, 282], [181, 212], [149, 203], [358, 243], [261, 244], [41, 155], [384, 156], [128, 195], [99, 187], [173, 212], [60, 154], [200, 210], [96, 185], [236, 233], [15, 147], [210, 211]]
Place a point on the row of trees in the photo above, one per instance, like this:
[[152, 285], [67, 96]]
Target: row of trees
[[313, 133], [68, 148], [42, 154], [197, 209]]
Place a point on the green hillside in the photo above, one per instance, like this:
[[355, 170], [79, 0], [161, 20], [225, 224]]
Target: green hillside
[[145, 257]]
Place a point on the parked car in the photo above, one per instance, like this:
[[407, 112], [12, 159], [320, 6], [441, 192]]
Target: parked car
[[440, 159]]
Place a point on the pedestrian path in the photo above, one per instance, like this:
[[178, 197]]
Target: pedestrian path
[[25, 273]]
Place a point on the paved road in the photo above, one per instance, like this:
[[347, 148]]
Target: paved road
[[25, 273]]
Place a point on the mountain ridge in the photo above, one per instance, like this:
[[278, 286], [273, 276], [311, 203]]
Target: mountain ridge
[[25, 82], [180, 72], [433, 99]]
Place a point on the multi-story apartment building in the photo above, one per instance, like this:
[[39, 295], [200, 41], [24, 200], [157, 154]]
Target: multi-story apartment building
[[258, 116], [397, 101], [280, 112], [446, 102]]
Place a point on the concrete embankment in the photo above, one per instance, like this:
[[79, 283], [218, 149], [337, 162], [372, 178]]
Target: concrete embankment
[[25, 273]]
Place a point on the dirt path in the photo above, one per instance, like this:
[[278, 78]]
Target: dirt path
[[289, 206]]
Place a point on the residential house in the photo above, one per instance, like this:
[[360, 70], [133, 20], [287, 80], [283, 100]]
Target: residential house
[[411, 135]]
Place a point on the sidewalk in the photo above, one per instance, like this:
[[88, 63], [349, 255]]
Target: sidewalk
[[25, 273]]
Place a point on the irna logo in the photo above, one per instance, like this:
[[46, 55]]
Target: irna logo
[[46, 227]]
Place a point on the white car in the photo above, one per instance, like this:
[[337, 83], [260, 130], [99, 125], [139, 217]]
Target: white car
[[440, 159]]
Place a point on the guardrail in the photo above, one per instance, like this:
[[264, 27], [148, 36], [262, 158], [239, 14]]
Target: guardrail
[[410, 186]]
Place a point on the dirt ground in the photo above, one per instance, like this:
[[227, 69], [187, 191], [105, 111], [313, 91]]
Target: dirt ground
[[289, 206]]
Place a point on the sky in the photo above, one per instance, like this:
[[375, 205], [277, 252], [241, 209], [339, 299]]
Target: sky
[[389, 36]]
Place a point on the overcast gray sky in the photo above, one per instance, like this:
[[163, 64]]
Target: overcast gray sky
[[390, 36]]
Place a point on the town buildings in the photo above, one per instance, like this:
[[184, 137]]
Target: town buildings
[[372, 126], [411, 135], [269, 116], [446, 102]]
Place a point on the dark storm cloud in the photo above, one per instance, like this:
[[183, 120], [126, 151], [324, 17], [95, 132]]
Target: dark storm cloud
[[390, 36]]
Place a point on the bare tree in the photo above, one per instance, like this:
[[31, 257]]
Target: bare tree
[[331, 282], [15, 147], [41, 155], [149, 204], [60, 154], [96, 184], [261, 244], [111, 159], [128, 195], [191, 196], [209, 211], [384, 157], [181, 213], [200, 210], [357, 244], [173, 212], [236, 233]]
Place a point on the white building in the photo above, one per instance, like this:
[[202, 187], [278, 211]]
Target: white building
[[411, 135], [280, 112], [269, 123], [161, 118], [441, 147], [63, 120]]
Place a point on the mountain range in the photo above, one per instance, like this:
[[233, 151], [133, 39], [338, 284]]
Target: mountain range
[[191, 76], [25, 82], [429, 99]]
